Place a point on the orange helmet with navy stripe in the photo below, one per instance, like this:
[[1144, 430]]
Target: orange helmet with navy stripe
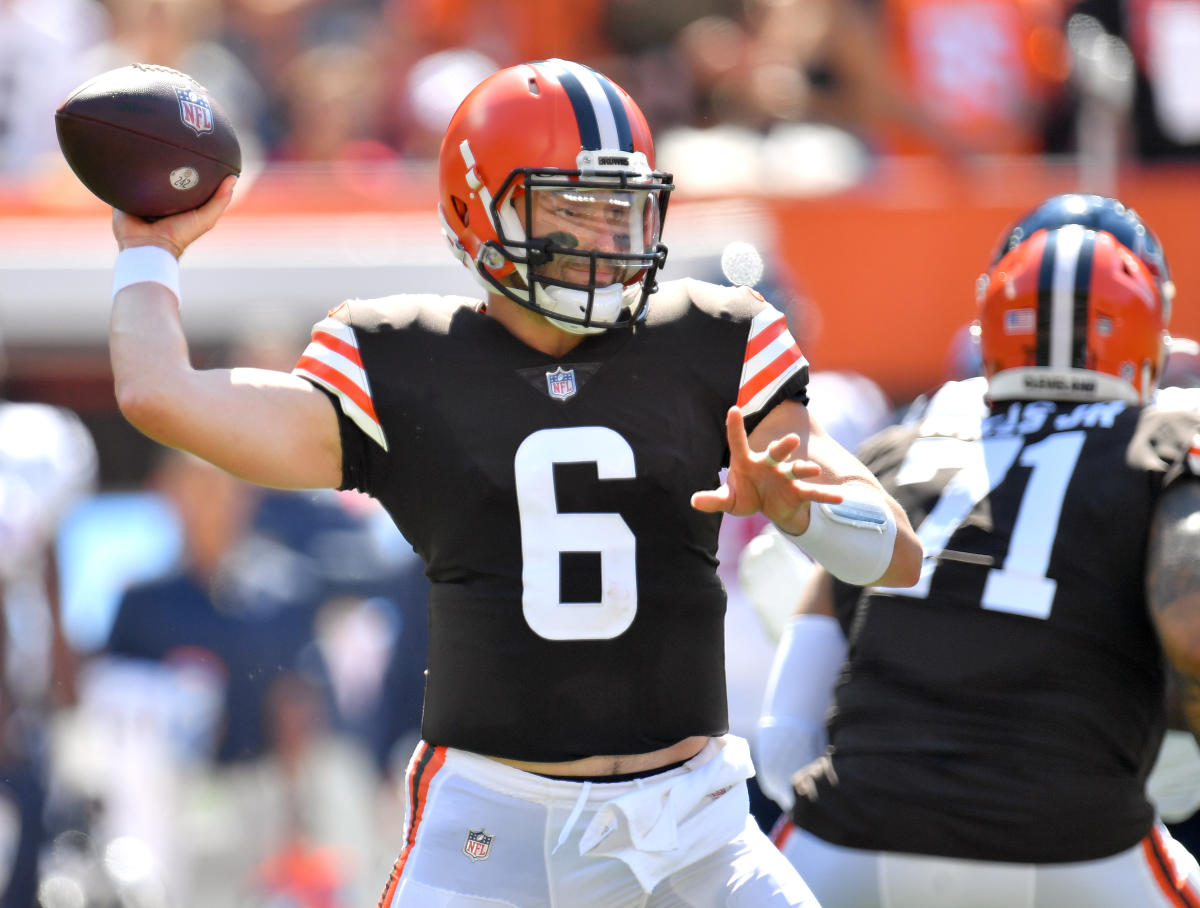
[[553, 125], [1071, 314]]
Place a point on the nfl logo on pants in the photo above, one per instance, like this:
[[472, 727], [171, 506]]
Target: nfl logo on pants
[[478, 844]]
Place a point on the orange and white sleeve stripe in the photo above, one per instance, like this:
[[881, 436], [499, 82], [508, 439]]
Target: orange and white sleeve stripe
[[332, 361], [772, 357]]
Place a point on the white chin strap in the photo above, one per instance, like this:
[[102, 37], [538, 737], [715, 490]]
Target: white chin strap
[[606, 306]]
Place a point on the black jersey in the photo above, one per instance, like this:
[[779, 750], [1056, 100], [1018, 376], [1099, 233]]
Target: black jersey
[[1010, 705], [575, 607]]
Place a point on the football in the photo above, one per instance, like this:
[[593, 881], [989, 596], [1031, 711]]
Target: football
[[148, 140]]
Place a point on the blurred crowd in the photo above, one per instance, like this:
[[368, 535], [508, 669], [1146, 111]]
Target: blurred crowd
[[211, 710], [376, 80]]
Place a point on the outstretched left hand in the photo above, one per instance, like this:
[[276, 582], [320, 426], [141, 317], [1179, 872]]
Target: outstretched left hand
[[767, 481]]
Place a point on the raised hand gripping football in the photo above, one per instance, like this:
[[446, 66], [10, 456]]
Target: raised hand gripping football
[[176, 232]]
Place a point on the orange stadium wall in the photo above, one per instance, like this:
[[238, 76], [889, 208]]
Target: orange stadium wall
[[891, 265]]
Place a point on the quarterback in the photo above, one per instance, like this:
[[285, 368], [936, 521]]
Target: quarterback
[[552, 449]]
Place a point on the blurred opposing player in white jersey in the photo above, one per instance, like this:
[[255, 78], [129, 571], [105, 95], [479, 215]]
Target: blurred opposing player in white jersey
[[47, 464]]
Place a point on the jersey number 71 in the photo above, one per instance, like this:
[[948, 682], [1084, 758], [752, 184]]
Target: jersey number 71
[[1020, 584]]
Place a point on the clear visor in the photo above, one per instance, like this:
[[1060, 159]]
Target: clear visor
[[614, 231]]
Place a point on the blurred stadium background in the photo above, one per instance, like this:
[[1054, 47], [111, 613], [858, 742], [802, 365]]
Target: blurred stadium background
[[875, 190], [872, 151]]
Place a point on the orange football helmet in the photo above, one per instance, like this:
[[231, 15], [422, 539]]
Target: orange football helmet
[[1071, 314], [559, 126], [1096, 212]]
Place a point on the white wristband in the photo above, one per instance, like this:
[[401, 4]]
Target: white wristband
[[140, 264], [853, 540]]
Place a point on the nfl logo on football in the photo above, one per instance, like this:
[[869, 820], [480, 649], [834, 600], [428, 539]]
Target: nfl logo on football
[[195, 111], [561, 383], [478, 844]]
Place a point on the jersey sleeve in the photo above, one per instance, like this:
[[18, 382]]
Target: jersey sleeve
[[332, 361], [774, 368]]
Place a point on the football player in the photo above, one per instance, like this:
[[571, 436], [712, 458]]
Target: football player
[[993, 725], [48, 465], [550, 450], [775, 576]]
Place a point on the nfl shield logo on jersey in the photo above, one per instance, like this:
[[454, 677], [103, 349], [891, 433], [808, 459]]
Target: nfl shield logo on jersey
[[561, 383], [478, 845], [195, 111]]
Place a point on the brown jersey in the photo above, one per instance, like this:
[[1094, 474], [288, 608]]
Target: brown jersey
[[575, 607], [1011, 704]]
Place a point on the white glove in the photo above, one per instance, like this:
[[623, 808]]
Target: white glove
[[771, 574]]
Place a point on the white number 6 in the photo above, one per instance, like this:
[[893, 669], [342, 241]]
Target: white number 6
[[546, 533]]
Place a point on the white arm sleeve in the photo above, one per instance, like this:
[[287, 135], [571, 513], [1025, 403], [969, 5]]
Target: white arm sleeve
[[791, 729]]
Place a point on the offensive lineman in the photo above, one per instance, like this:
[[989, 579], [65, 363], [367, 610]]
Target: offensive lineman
[[993, 726]]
